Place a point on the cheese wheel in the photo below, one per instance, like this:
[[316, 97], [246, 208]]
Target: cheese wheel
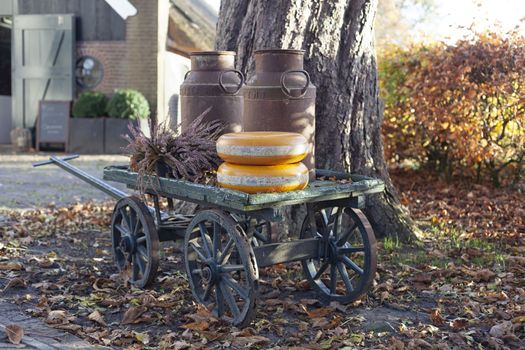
[[262, 147], [263, 178]]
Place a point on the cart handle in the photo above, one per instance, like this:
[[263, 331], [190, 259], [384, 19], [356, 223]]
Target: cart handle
[[46, 162]]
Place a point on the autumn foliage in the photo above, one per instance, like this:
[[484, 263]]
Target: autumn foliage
[[459, 109]]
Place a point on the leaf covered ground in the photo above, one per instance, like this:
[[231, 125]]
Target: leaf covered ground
[[462, 287]]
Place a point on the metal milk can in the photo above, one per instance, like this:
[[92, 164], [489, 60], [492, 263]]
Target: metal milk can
[[280, 97], [213, 82]]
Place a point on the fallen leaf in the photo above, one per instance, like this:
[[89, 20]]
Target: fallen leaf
[[459, 324], [484, 275], [246, 342], [97, 317], [197, 326], [437, 319], [14, 333], [320, 312], [11, 266], [57, 317], [132, 314], [17, 282], [501, 329], [141, 337]]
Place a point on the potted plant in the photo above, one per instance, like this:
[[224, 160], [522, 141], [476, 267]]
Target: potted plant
[[86, 132], [125, 106]]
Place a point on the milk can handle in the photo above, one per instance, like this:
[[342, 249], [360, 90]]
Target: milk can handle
[[286, 90], [186, 75], [241, 82]]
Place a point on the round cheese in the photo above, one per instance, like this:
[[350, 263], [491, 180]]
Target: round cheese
[[263, 178], [262, 147]]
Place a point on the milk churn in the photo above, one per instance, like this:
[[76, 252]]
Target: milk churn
[[212, 82], [280, 97]]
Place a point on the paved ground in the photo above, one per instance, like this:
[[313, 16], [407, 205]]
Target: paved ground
[[37, 335], [22, 186]]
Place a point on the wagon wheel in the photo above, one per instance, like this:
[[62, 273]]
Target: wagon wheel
[[135, 241], [221, 266], [348, 255]]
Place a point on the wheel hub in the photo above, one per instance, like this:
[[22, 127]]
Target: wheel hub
[[333, 251], [127, 244], [211, 272]]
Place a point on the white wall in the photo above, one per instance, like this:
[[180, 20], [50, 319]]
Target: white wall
[[175, 67], [5, 119]]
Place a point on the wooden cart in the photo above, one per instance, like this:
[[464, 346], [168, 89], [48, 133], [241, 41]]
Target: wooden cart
[[230, 237]]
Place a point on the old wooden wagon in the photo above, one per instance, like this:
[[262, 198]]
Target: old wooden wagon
[[229, 238]]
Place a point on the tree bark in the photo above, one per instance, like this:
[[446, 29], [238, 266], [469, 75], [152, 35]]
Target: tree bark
[[340, 57]]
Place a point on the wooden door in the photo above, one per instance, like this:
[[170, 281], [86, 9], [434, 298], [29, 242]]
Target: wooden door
[[43, 64]]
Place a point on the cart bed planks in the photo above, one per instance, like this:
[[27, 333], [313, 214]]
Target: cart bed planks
[[319, 190]]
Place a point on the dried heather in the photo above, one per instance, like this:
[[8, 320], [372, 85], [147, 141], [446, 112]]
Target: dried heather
[[188, 155]]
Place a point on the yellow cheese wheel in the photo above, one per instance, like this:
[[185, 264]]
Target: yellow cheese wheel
[[263, 178], [262, 147]]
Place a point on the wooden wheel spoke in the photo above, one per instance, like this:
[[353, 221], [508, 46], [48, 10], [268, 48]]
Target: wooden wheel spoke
[[141, 239], [216, 239], [344, 276], [344, 238], [230, 300], [125, 217], [348, 262], [231, 268], [141, 263], [207, 292], [219, 300], [233, 284], [204, 236], [333, 279], [134, 268], [197, 250], [337, 222], [351, 250], [122, 230], [137, 227], [143, 253], [335, 218], [320, 271], [225, 252]]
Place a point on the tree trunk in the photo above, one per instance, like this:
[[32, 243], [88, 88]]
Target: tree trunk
[[339, 42]]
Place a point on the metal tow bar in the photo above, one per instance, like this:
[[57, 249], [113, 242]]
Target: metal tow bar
[[93, 181]]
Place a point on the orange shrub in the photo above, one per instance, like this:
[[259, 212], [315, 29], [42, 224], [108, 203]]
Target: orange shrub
[[458, 108]]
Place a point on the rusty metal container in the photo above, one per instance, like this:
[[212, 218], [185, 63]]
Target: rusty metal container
[[280, 97], [213, 82]]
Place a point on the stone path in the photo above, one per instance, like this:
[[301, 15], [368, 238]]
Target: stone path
[[37, 335]]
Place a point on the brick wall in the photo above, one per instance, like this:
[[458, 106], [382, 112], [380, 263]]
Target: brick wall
[[137, 62], [112, 56], [142, 38]]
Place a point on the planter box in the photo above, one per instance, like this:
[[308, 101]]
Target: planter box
[[86, 136], [5, 119], [114, 132]]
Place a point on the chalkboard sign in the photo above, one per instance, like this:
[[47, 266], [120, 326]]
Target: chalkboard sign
[[53, 123]]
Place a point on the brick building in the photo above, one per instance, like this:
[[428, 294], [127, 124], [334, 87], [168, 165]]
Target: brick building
[[147, 51]]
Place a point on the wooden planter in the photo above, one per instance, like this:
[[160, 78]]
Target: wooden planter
[[114, 132], [86, 136]]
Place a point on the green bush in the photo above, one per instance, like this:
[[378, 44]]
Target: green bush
[[128, 104], [90, 104]]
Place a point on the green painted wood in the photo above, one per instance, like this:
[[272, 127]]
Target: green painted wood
[[226, 198], [43, 50]]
